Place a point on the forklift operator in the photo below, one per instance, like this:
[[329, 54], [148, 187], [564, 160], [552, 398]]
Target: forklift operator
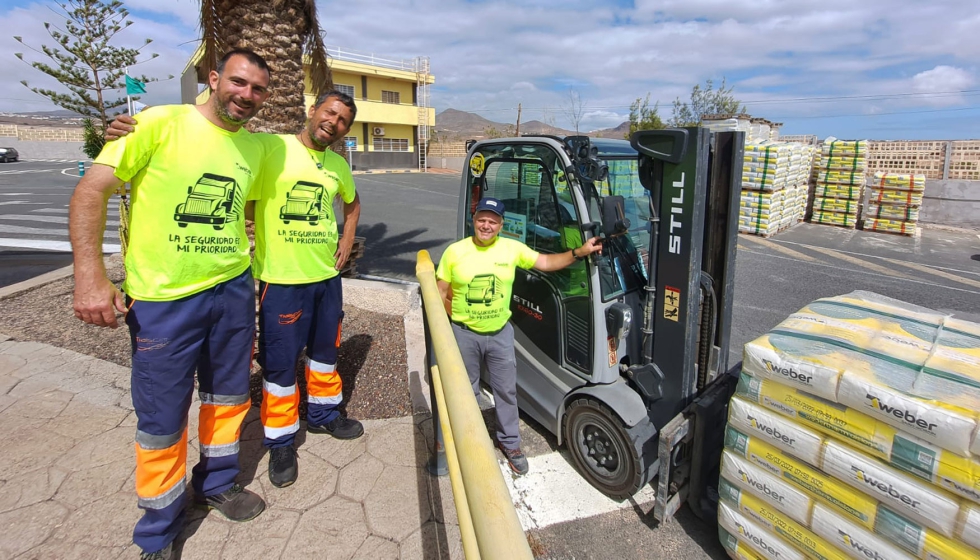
[[480, 270]]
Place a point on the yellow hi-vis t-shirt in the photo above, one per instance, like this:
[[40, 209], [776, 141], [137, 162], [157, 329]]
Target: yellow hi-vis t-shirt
[[295, 226], [190, 180], [482, 279]]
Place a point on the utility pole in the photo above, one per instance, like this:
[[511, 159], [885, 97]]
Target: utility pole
[[518, 119]]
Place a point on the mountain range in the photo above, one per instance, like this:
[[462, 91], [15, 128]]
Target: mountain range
[[452, 124]]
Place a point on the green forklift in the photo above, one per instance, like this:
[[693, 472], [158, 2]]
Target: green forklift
[[624, 357]]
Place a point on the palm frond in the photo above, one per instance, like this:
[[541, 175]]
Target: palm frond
[[321, 78], [210, 39]]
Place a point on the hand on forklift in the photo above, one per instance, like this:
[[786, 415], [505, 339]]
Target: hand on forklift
[[558, 261]]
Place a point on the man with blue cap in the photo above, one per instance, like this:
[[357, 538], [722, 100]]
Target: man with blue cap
[[485, 264]]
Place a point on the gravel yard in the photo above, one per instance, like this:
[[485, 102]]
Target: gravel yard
[[372, 360]]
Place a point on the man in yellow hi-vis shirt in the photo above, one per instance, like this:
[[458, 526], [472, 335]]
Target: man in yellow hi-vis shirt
[[297, 260], [475, 278], [190, 297]]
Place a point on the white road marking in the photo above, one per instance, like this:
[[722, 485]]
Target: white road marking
[[10, 202], [61, 232], [553, 492], [24, 171], [47, 219], [62, 246]]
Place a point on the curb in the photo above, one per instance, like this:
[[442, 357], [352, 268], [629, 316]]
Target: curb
[[375, 295], [37, 281]]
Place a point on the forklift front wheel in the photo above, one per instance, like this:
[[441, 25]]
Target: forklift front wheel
[[602, 449]]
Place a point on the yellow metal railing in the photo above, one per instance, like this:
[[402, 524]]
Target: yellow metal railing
[[479, 491]]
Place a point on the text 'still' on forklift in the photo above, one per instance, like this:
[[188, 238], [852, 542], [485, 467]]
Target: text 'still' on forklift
[[624, 356]]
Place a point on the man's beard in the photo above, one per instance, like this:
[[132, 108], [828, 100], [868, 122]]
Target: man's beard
[[226, 116]]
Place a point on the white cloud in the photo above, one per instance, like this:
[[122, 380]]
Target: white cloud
[[941, 81], [489, 56]]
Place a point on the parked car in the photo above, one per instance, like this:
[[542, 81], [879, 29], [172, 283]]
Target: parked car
[[8, 154]]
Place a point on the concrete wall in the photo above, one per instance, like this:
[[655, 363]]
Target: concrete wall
[[952, 203], [39, 149]]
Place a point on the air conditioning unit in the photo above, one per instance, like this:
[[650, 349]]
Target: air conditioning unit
[[379, 131]]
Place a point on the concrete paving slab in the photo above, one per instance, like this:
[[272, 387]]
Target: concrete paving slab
[[399, 503], [107, 522], [433, 541], [31, 488], [315, 484], [21, 452], [359, 477], [333, 529], [262, 540], [376, 548], [28, 527], [83, 487]]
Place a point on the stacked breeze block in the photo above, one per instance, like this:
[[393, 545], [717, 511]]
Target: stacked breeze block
[[894, 201], [839, 177], [774, 186], [853, 433]]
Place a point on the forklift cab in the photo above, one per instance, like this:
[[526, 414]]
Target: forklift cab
[[607, 349]]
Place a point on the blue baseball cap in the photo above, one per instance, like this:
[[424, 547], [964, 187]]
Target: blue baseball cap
[[490, 205]]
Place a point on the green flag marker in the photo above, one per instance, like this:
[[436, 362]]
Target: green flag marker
[[134, 87]]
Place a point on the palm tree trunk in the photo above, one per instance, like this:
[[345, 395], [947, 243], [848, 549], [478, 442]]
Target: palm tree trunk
[[279, 31]]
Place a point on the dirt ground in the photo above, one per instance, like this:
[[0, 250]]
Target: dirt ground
[[372, 359]]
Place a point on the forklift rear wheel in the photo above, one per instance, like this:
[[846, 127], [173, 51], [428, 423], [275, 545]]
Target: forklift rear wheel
[[602, 449]]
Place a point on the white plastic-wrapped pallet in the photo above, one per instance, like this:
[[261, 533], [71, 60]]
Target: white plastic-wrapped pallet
[[856, 541], [751, 533], [776, 430], [774, 521], [783, 496], [911, 497]]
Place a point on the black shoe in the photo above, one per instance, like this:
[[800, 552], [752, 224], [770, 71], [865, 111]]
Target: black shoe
[[516, 460], [282, 466], [235, 503], [340, 427], [165, 554]]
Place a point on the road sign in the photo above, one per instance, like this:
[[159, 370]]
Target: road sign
[[350, 142]]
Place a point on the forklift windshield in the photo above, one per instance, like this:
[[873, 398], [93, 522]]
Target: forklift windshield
[[534, 183]]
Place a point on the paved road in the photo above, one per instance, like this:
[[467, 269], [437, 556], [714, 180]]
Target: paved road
[[404, 213]]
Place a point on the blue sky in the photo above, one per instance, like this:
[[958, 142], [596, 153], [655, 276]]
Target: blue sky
[[877, 69]]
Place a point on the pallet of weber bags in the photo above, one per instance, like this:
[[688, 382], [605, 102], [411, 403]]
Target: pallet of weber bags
[[855, 424], [774, 179], [839, 176], [893, 202]]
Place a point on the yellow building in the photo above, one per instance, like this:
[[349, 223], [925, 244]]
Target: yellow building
[[393, 112]]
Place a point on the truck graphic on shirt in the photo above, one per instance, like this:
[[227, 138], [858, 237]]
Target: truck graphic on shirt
[[484, 289], [214, 200], [304, 202]]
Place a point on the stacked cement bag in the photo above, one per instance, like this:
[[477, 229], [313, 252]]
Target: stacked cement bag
[[853, 433], [839, 177], [774, 179], [894, 201]]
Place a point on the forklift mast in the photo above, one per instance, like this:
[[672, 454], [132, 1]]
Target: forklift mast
[[694, 180]]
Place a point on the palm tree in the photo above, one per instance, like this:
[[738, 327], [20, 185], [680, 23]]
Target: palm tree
[[282, 32]]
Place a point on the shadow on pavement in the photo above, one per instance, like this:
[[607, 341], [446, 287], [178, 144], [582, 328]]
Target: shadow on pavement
[[393, 256], [17, 266]]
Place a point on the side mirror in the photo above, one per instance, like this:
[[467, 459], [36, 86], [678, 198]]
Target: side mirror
[[190, 190], [614, 220]]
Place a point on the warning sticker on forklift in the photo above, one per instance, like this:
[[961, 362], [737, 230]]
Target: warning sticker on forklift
[[476, 164], [672, 303]]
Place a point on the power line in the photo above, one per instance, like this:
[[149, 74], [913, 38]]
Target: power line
[[797, 117]]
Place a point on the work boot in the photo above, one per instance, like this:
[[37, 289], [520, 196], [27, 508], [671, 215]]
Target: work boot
[[282, 466], [235, 503], [165, 554], [516, 460], [340, 427]]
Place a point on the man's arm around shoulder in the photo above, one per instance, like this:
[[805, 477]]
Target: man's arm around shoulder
[[96, 298]]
